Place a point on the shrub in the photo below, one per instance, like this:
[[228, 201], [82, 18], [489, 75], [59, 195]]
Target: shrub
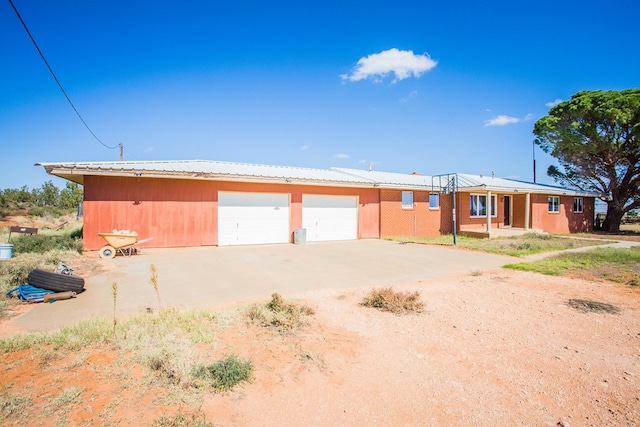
[[14, 272], [386, 299], [225, 373], [279, 314], [46, 211], [41, 243]]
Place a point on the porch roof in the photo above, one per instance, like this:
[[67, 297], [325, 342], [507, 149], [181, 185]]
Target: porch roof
[[470, 183]]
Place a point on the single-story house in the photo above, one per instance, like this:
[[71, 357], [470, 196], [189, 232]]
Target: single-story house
[[199, 203]]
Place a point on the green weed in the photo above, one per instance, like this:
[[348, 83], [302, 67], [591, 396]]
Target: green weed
[[12, 404], [226, 373]]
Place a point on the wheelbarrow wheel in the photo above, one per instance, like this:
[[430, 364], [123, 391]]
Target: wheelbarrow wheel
[[107, 252]]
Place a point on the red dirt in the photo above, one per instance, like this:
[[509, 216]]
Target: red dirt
[[502, 348]]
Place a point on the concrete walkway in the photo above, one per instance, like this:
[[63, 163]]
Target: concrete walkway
[[217, 277]]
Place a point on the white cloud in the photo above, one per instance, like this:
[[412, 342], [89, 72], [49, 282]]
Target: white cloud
[[553, 103], [402, 63], [304, 147], [341, 156], [529, 116], [406, 99], [501, 120]]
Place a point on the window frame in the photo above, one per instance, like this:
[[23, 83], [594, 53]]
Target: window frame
[[551, 205], [578, 205], [477, 214], [436, 197], [407, 206]]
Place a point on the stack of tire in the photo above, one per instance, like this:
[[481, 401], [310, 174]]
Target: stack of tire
[[55, 282]]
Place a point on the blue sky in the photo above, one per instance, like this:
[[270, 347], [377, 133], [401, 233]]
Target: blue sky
[[427, 86]]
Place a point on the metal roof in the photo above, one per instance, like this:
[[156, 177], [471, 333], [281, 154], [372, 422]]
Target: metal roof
[[246, 172], [490, 183], [391, 179], [203, 169]]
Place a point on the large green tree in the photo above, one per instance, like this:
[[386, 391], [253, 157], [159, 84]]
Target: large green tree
[[596, 138]]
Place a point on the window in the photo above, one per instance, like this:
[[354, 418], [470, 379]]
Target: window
[[434, 201], [479, 206], [554, 204], [577, 205], [407, 200]]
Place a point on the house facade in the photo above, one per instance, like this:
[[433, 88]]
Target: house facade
[[203, 203]]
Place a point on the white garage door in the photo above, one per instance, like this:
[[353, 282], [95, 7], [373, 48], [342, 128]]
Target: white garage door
[[252, 218], [330, 217]]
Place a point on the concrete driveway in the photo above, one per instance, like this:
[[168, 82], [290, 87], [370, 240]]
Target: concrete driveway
[[218, 277]]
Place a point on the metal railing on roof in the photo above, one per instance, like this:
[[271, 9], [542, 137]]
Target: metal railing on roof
[[445, 183]]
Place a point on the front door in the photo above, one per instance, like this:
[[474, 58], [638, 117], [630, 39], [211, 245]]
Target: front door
[[507, 211]]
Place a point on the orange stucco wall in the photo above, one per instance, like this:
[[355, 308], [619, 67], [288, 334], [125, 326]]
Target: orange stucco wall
[[179, 212]]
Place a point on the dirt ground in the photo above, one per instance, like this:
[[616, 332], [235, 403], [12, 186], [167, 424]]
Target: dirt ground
[[499, 348]]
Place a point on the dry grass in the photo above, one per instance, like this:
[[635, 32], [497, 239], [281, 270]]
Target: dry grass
[[386, 299], [279, 314]]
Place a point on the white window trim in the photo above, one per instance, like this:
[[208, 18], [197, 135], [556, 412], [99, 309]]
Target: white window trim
[[556, 204], [494, 212], [581, 205], [402, 200], [437, 198]]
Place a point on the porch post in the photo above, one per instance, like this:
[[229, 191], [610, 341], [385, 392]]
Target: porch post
[[489, 213], [527, 208]]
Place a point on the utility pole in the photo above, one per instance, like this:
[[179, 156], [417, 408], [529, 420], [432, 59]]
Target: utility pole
[[121, 152], [534, 161]]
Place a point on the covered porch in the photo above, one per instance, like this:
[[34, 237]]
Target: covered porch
[[490, 214]]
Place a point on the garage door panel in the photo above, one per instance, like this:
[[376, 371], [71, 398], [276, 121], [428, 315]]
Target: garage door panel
[[252, 218], [330, 217]]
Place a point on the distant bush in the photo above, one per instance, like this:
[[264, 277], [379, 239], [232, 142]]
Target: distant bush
[[386, 299], [46, 211], [41, 243]]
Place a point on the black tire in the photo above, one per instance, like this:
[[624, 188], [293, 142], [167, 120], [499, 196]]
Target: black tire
[[55, 282]]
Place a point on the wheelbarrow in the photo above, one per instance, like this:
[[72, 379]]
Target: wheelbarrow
[[123, 243]]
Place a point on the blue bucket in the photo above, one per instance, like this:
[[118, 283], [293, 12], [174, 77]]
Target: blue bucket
[[6, 251]]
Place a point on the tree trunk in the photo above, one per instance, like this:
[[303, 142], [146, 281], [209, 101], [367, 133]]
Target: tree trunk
[[614, 216]]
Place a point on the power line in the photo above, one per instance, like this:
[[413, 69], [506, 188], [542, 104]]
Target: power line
[[56, 78]]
